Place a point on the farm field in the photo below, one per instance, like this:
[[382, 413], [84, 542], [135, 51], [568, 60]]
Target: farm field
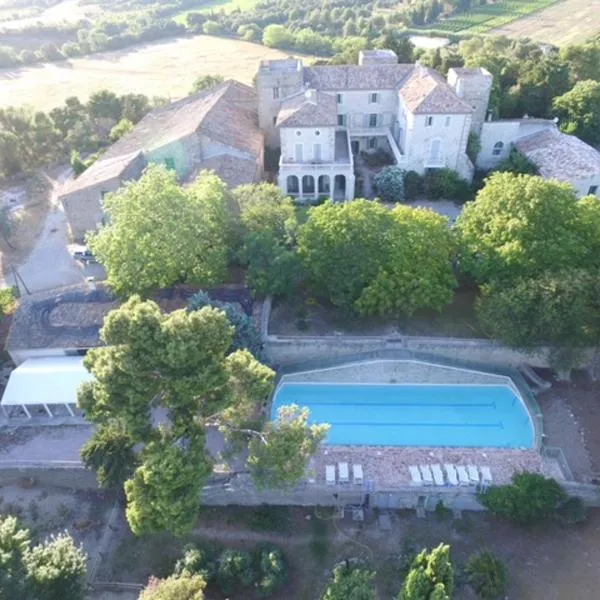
[[166, 68], [490, 16], [565, 22], [216, 5]]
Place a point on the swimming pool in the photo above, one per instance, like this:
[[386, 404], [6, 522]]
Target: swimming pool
[[414, 415]]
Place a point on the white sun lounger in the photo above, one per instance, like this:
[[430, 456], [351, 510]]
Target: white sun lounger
[[426, 474], [343, 472], [357, 474], [330, 474], [463, 476], [438, 476], [473, 474], [451, 475], [486, 476], [415, 476]]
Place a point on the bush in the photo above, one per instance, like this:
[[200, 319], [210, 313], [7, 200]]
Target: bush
[[8, 301], [234, 571], [517, 163], [530, 498], [487, 575], [473, 146], [447, 184], [389, 184], [211, 28], [573, 511], [273, 570], [195, 561], [413, 185]]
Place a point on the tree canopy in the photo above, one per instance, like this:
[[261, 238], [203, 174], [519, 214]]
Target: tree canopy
[[431, 576], [351, 583], [268, 227], [184, 587], [205, 82], [159, 234], [363, 256], [560, 311], [578, 111], [163, 379], [52, 570], [523, 225]]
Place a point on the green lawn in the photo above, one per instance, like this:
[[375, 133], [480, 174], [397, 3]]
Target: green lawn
[[490, 16], [216, 5]]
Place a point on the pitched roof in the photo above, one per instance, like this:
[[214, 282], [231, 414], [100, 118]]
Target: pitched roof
[[357, 77], [233, 170], [560, 156], [226, 113], [427, 92], [308, 109]]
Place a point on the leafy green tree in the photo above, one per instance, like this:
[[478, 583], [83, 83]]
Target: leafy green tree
[[365, 257], [110, 453], [105, 104], [389, 184], [56, 569], [278, 36], [195, 561], [165, 378], [583, 60], [431, 576], [245, 336], [174, 588], [473, 146], [529, 499], [487, 575], [205, 82], [268, 227], [351, 583], [278, 457], [14, 545], [273, 571], [579, 111], [11, 159], [523, 226], [518, 164], [135, 107], [159, 234], [123, 127], [560, 311], [400, 44], [234, 571]]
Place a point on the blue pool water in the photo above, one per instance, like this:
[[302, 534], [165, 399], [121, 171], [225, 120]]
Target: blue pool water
[[414, 415]]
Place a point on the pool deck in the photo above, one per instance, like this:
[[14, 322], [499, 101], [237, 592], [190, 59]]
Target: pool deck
[[387, 467]]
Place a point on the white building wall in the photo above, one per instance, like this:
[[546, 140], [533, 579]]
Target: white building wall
[[308, 137], [451, 130], [356, 105], [20, 356], [506, 133], [583, 185]]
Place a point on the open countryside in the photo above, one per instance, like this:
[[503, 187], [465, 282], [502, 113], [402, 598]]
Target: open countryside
[[159, 69], [565, 22]]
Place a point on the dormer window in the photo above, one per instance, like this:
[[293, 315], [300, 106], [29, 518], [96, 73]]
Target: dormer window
[[428, 121], [373, 97]]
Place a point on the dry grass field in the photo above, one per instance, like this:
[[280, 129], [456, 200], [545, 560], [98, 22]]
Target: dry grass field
[[165, 68], [566, 22]]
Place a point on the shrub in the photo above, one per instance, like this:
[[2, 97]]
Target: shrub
[[473, 146], [273, 570], [195, 561], [211, 28], [530, 498], [517, 163], [8, 301], [487, 574], [447, 184], [389, 184], [413, 185], [234, 571], [573, 511]]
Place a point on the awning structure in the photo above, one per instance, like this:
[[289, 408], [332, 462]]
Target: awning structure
[[45, 382]]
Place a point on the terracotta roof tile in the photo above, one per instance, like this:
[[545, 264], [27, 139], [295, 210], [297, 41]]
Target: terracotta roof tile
[[356, 77], [308, 109]]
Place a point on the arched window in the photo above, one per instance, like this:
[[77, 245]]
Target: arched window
[[308, 184], [292, 185], [498, 147], [324, 184]]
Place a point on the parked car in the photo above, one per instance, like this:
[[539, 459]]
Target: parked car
[[84, 256]]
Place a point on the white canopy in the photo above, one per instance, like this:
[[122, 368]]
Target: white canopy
[[45, 382]]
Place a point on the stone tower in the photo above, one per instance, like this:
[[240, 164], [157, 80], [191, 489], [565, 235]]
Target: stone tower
[[275, 81], [473, 86]]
